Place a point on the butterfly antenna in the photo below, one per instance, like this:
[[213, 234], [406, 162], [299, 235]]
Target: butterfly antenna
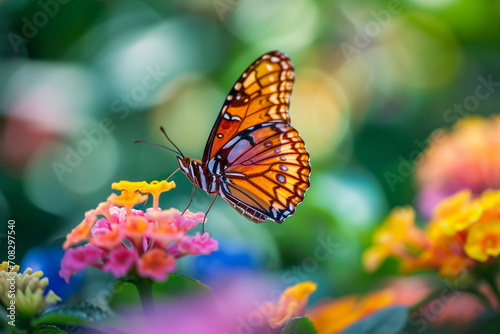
[[147, 142], [171, 142]]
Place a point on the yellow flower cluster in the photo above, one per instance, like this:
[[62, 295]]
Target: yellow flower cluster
[[462, 232], [26, 290], [132, 193]]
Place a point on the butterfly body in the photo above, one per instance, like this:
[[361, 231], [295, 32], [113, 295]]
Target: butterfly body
[[254, 159], [199, 175]]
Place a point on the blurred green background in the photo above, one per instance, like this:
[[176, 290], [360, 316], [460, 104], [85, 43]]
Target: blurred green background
[[81, 80]]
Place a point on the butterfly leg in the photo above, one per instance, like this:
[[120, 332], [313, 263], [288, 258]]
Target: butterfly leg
[[206, 213], [190, 201]]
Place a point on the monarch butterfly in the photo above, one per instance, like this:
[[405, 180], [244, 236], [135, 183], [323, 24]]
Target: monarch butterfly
[[254, 159]]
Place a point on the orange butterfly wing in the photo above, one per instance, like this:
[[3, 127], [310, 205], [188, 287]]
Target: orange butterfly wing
[[261, 94], [261, 160], [266, 172]]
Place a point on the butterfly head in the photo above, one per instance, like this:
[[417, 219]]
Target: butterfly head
[[188, 166]]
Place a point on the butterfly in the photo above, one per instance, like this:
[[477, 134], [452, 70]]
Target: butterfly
[[254, 159]]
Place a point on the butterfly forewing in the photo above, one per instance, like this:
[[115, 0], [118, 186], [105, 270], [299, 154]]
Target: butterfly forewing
[[261, 94]]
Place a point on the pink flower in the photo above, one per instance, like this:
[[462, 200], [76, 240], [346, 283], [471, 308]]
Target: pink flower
[[120, 261], [466, 157], [121, 238], [166, 228], [79, 258], [190, 220], [119, 214], [199, 244], [106, 236], [102, 226], [156, 264]]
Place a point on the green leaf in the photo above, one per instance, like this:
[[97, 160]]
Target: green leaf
[[125, 294], [179, 285], [49, 330], [77, 314], [388, 321], [300, 325]]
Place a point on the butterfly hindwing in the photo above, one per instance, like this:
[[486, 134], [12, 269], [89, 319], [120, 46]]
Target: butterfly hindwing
[[265, 171], [261, 94]]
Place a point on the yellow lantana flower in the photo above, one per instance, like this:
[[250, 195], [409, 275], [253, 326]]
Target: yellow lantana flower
[[483, 241], [397, 235], [291, 304], [457, 212]]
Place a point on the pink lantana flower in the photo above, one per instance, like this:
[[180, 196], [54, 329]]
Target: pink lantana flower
[[199, 244], [155, 264], [120, 261], [79, 258], [120, 238]]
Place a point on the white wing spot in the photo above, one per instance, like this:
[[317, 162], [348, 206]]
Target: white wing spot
[[275, 59], [229, 97], [281, 178], [226, 116], [237, 86]]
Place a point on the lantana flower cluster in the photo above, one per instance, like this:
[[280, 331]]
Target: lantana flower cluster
[[463, 232], [465, 157], [24, 292], [120, 239]]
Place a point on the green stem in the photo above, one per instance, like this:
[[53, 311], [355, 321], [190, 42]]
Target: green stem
[[145, 289], [490, 279]]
